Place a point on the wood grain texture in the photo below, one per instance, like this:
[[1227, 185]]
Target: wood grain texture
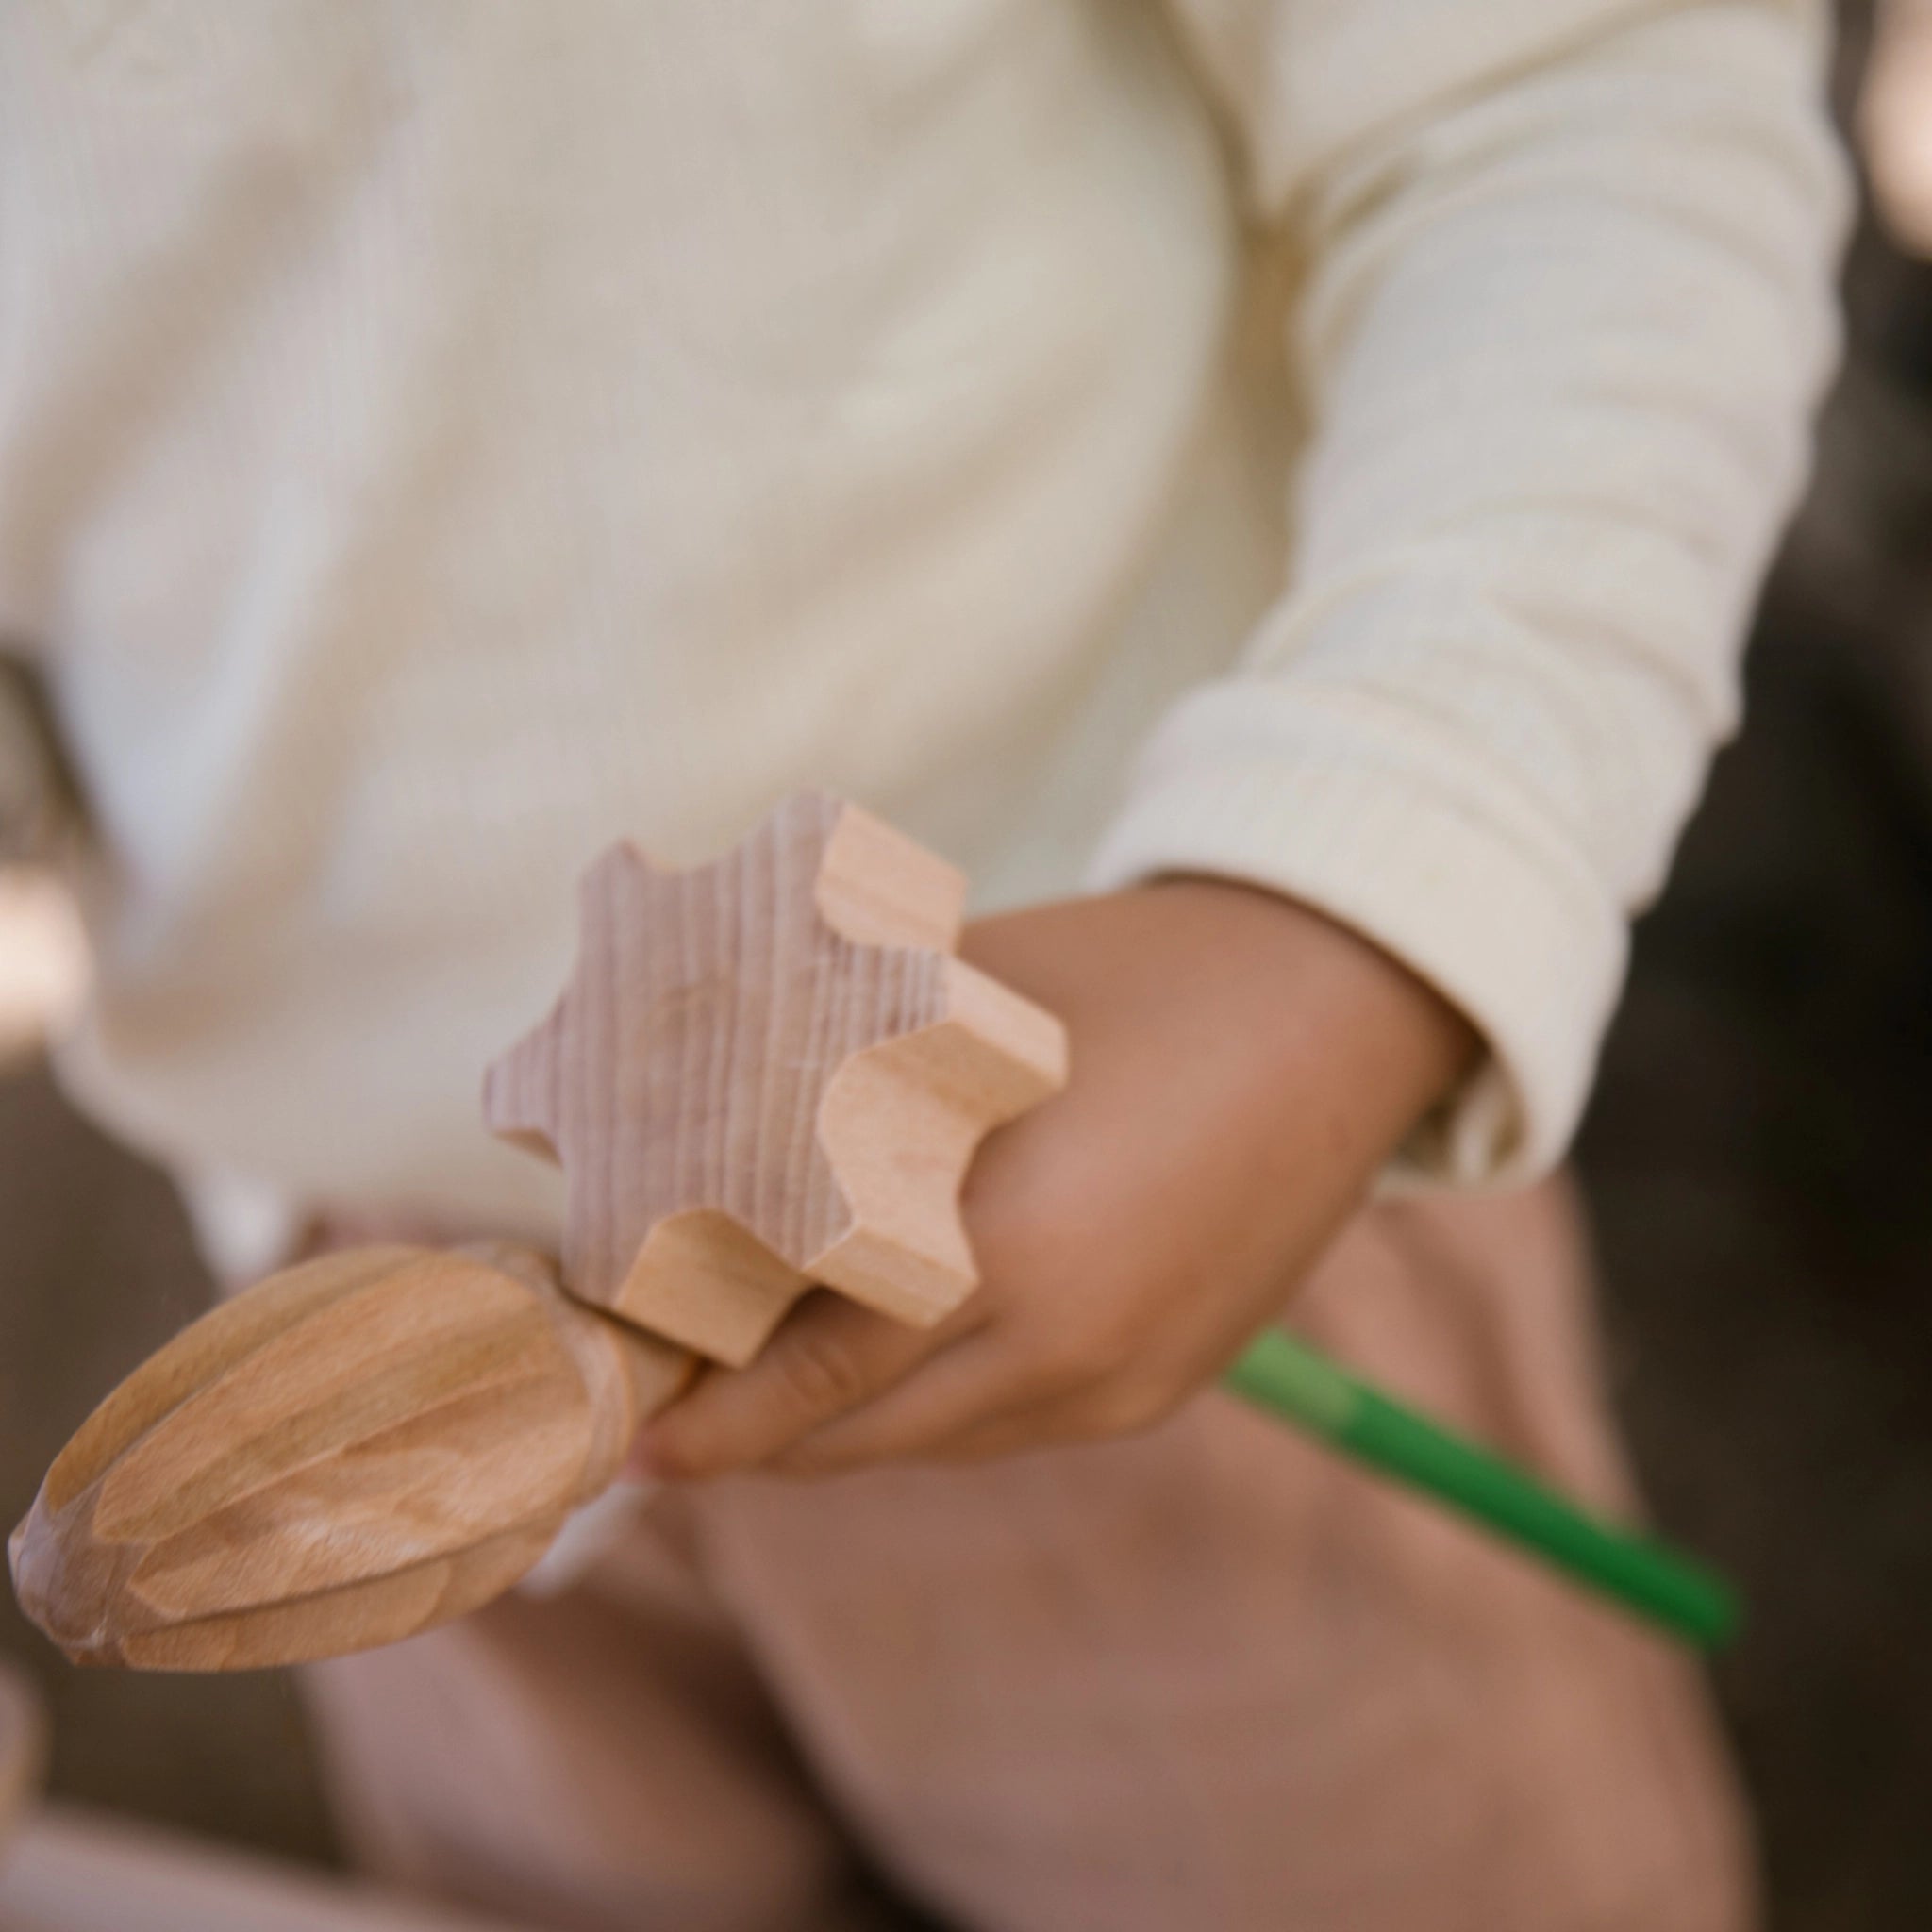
[[771, 1071], [354, 1449]]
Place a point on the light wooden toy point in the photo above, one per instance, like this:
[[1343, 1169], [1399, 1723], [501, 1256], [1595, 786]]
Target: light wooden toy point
[[765, 1074]]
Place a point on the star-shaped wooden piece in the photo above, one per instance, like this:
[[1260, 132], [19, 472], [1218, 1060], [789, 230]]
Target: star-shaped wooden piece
[[772, 1072]]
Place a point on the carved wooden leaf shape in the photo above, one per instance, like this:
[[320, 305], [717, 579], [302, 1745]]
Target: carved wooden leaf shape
[[354, 1449]]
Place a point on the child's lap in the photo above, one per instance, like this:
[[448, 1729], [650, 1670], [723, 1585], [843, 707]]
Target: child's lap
[[1206, 1676]]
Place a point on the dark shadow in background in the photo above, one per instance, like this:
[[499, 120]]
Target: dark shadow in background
[[1759, 1158], [99, 1270]]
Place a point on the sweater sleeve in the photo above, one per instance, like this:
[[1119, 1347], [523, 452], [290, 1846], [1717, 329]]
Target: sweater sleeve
[[1567, 308]]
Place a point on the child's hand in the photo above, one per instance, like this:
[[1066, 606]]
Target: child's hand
[[1242, 1068]]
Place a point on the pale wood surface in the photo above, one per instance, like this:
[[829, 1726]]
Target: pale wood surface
[[71, 1870], [354, 1449], [771, 1071], [765, 1073]]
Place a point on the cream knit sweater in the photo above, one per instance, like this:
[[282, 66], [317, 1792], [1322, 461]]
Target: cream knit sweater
[[1332, 443]]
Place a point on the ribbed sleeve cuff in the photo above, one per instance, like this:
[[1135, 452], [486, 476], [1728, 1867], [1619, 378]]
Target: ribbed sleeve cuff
[[1367, 815]]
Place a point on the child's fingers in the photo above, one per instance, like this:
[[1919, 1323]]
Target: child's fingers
[[987, 1397], [1046, 1426], [829, 1356], [955, 1389], [1122, 1405]]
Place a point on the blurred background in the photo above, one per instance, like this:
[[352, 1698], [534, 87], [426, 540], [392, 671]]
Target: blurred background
[[1758, 1159]]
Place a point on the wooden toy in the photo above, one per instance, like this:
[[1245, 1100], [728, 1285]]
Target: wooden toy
[[766, 1074]]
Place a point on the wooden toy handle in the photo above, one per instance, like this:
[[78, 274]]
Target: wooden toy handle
[[626, 1374]]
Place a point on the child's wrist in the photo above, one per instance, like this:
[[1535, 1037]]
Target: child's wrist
[[1342, 1008]]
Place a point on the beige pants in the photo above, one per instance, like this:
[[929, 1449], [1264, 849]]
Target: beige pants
[[1209, 1677]]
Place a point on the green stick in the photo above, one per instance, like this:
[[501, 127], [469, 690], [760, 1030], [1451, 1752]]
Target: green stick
[[1291, 1379]]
